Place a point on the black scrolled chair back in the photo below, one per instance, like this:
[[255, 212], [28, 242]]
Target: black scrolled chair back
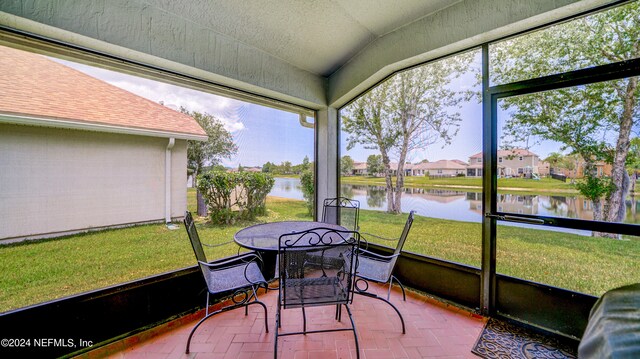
[[317, 267], [316, 262], [341, 210]]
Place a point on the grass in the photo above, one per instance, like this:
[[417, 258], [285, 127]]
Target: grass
[[583, 264], [470, 183], [34, 272]]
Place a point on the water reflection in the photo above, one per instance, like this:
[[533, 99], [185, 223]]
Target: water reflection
[[463, 205]]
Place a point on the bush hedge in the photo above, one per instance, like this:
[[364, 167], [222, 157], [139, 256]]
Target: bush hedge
[[231, 196], [306, 179]]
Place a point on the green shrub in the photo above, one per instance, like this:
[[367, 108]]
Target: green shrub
[[234, 195], [306, 179]]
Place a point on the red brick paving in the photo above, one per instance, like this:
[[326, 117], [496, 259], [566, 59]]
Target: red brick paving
[[434, 330]]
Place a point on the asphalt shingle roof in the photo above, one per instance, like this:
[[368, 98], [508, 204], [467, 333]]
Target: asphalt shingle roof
[[32, 85]]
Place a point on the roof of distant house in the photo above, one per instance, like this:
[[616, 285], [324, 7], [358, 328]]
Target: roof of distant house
[[481, 166], [38, 91], [359, 165], [441, 165], [407, 166], [506, 153]]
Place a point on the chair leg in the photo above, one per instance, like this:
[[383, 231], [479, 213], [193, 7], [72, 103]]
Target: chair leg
[[404, 296], [355, 334], [275, 342], [367, 294], [278, 326], [266, 323], [231, 307], [304, 321], [206, 306], [278, 311], [207, 317]]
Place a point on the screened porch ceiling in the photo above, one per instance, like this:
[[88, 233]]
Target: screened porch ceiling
[[309, 53]]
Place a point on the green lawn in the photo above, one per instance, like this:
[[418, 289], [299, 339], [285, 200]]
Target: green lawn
[[470, 183], [33, 272], [580, 263]]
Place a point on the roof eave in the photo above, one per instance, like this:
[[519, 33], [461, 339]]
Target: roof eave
[[88, 126]]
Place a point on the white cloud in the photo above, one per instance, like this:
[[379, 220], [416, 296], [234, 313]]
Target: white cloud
[[172, 96], [232, 126]]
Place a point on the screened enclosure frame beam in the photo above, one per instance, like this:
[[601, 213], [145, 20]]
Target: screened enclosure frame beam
[[608, 72], [489, 190], [602, 73]]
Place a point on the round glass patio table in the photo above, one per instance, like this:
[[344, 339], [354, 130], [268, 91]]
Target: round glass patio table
[[265, 236]]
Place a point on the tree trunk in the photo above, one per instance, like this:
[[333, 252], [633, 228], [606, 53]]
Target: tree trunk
[[619, 176], [615, 202], [201, 206], [388, 181], [397, 206]]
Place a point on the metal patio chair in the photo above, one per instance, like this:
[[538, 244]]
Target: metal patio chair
[[240, 276], [379, 268], [307, 282], [342, 208]]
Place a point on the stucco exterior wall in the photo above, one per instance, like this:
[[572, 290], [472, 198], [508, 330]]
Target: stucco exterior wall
[[445, 172], [57, 180], [514, 163]]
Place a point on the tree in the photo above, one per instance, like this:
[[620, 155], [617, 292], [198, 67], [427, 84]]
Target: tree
[[374, 165], [219, 145], [554, 159], [308, 189], [411, 110], [593, 121], [268, 167], [633, 162], [346, 165], [285, 167], [306, 165]]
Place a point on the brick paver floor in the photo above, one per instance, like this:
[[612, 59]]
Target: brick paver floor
[[433, 330]]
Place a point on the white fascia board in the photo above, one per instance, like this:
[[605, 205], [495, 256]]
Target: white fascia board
[[86, 126]]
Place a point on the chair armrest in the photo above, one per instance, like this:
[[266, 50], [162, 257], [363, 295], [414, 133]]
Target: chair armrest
[[244, 258], [379, 237], [372, 254], [239, 262], [217, 245]]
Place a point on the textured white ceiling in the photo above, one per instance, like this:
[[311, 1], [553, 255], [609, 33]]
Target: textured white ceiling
[[316, 36]]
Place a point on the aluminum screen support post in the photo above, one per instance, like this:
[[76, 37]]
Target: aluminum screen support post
[[167, 181]]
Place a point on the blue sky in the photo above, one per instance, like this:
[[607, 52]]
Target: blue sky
[[468, 141], [261, 133], [266, 134]]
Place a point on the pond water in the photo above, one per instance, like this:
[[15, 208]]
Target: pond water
[[462, 205]]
